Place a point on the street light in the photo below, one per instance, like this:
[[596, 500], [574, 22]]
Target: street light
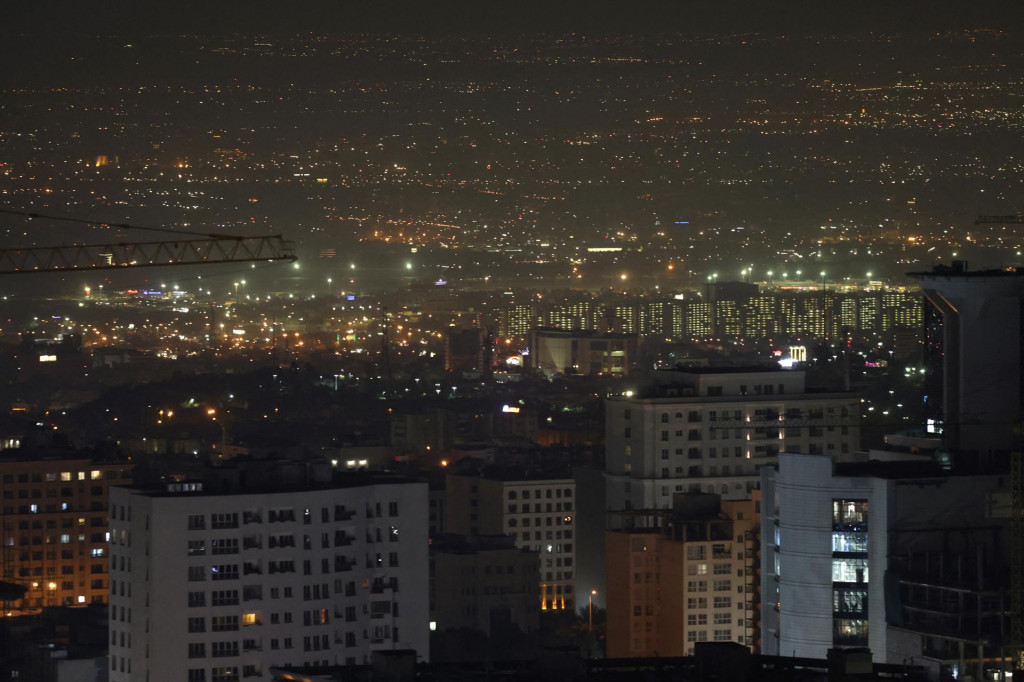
[[590, 610], [328, 287]]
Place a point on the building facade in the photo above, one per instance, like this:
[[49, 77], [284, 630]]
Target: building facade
[[54, 526], [485, 583], [981, 356], [217, 587], [554, 351], [712, 430], [537, 508], [904, 557], [675, 578]]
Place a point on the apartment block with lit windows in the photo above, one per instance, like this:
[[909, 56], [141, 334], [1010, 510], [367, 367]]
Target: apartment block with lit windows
[[711, 430], [54, 528], [535, 507], [681, 576], [216, 586]]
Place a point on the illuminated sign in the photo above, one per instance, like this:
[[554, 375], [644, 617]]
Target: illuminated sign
[[510, 409], [53, 358], [440, 283]]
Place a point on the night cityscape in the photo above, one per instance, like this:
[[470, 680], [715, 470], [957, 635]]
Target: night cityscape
[[563, 341]]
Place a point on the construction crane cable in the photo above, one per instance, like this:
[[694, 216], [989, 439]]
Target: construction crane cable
[[103, 223]]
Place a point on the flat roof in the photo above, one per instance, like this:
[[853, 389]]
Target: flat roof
[[740, 369], [215, 487]]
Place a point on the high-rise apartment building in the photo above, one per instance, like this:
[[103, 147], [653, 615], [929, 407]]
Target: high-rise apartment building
[[699, 318], [536, 507], [981, 354], [54, 527], [711, 430], [734, 310], [681, 576], [518, 319], [906, 558], [292, 570]]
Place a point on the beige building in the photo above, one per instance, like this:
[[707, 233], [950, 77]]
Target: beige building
[[537, 508], [54, 528], [683, 576], [556, 351]]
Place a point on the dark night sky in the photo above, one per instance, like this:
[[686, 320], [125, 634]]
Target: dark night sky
[[80, 43], [481, 16]]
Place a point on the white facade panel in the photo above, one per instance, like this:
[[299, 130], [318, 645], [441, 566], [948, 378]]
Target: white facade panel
[[217, 588]]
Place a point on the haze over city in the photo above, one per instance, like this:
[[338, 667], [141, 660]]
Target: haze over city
[[543, 311]]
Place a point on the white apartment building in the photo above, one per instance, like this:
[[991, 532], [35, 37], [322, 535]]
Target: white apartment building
[[906, 558], [711, 430], [216, 588], [824, 545]]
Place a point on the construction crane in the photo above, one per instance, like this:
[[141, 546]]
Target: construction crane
[[208, 250], [195, 249]]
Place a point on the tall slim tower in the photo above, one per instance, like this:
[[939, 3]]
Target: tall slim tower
[[982, 354]]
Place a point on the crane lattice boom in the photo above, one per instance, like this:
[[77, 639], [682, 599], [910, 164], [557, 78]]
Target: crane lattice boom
[[211, 249]]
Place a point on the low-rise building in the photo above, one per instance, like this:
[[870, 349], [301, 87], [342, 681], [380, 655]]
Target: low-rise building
[[537, 507], [483, 582]]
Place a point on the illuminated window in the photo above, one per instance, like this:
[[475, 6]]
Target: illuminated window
[[849, 515], [251, 618], [849, 542], [849, 570]]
